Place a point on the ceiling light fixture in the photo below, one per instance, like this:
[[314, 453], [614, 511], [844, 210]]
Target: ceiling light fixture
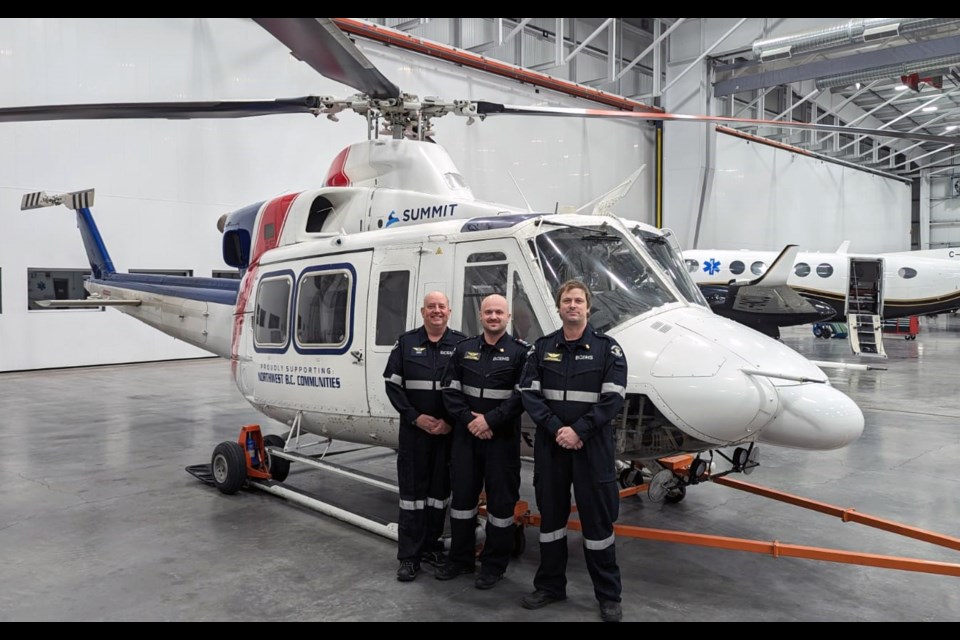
[[901, 87], [929, 109]]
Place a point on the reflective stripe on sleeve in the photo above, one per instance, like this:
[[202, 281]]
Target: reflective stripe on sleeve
[[534, 386], [609, 387], [553, 394], [395, 379], [454, 384], [497, 394]]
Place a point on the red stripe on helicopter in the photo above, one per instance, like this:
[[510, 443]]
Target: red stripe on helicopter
[[336, 176], [272, 218]]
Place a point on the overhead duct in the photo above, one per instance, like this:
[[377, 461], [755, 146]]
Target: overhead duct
[[855, 31], [890, 71]]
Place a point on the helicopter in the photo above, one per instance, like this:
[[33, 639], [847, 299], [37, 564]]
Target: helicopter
[[331, 276]]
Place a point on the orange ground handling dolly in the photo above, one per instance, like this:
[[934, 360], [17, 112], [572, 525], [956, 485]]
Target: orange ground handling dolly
[[777, 549]]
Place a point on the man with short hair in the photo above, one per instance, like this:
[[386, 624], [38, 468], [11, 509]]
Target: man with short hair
[[480, 394], [572, 387], [412, 376]]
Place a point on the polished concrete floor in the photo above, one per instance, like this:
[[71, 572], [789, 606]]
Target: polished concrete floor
[[99, 520]]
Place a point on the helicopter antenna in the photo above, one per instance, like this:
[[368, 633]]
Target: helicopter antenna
[[520, 191]]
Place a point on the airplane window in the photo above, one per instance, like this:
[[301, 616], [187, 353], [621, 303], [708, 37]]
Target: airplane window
[[392, 299], [802, 269], [479, 282], [692, 265], [525, 323], [273, 304], [737, 267], [624, 285], [824, 270], [758, 268], [323, 301], [906, 273]]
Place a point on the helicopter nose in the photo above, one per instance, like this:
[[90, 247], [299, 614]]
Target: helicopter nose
[[814, 417]]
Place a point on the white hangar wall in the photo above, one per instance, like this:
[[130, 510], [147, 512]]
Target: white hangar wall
[[699, 187], [763, 198], [162, 184]]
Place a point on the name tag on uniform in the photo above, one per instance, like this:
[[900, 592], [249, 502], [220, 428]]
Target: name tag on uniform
[[583, 357], [552, 357], [471, 355], [500, 359], [418, 352], [446, 353]]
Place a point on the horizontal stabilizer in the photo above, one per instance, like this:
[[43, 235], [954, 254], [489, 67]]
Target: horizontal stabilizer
[[89, 303], [73, 200]]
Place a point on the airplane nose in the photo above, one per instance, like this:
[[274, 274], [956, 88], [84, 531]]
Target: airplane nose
[[814, 417]]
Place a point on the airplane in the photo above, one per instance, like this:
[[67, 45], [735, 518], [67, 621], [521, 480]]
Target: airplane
[[888, 286], [310, 325]]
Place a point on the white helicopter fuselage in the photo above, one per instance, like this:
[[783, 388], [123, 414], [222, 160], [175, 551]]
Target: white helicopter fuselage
[[332, 277]]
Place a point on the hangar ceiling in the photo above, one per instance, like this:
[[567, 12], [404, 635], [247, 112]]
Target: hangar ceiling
[[900, 74]]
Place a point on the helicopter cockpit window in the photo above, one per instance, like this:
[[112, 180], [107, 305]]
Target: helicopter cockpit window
[[323, 303], [392, 299], [624, 285], [666, 251], [485, 274], [271, 316]]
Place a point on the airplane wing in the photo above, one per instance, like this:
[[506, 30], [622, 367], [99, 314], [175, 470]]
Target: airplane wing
[[89, 303]]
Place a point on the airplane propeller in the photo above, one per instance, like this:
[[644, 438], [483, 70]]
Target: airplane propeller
[[321, 44]]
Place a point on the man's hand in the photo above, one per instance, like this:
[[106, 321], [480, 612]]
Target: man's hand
[[433, 426], [568, 439], [479, 427]]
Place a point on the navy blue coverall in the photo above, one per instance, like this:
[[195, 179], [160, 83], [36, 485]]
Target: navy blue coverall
[[579, 384], [483, 378], [413, 375]]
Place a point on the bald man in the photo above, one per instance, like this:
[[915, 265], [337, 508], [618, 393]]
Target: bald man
[[480, 394], [412, 376]]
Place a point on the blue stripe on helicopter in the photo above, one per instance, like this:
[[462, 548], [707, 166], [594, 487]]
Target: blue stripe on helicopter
[[217, 290]]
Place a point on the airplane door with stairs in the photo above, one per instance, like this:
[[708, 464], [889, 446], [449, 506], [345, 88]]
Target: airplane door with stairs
[[864, 306]]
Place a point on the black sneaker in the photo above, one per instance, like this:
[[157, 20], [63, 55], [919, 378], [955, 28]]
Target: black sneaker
[[610, 611], [486, 580], [408, 571], [451, 570], [434, 558], [539, 598]]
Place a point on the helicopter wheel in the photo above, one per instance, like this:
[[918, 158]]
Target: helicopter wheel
[[630, 477], [519, 541], [278, 467], [676, 494], [229, 467]]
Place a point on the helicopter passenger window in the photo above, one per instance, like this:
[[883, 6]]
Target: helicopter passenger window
[[480, 281], [392, 297], [323, 300], [525, 323], [273, 301]]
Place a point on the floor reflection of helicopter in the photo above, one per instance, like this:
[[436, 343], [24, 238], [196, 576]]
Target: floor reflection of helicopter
[[309, 327]]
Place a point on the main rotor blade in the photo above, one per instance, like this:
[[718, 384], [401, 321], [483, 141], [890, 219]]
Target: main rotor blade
[[494, 109], [322, 45], [169, 110]]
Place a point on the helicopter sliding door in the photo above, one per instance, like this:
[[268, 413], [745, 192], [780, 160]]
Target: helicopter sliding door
[[497, 266]]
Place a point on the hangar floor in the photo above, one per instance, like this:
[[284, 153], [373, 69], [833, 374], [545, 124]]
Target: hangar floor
[[99, 520]]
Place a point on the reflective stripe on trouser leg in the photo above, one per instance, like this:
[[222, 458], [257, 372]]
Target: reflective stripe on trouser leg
[[502, 484], [598, 508], [552, 477], [466, 482]]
